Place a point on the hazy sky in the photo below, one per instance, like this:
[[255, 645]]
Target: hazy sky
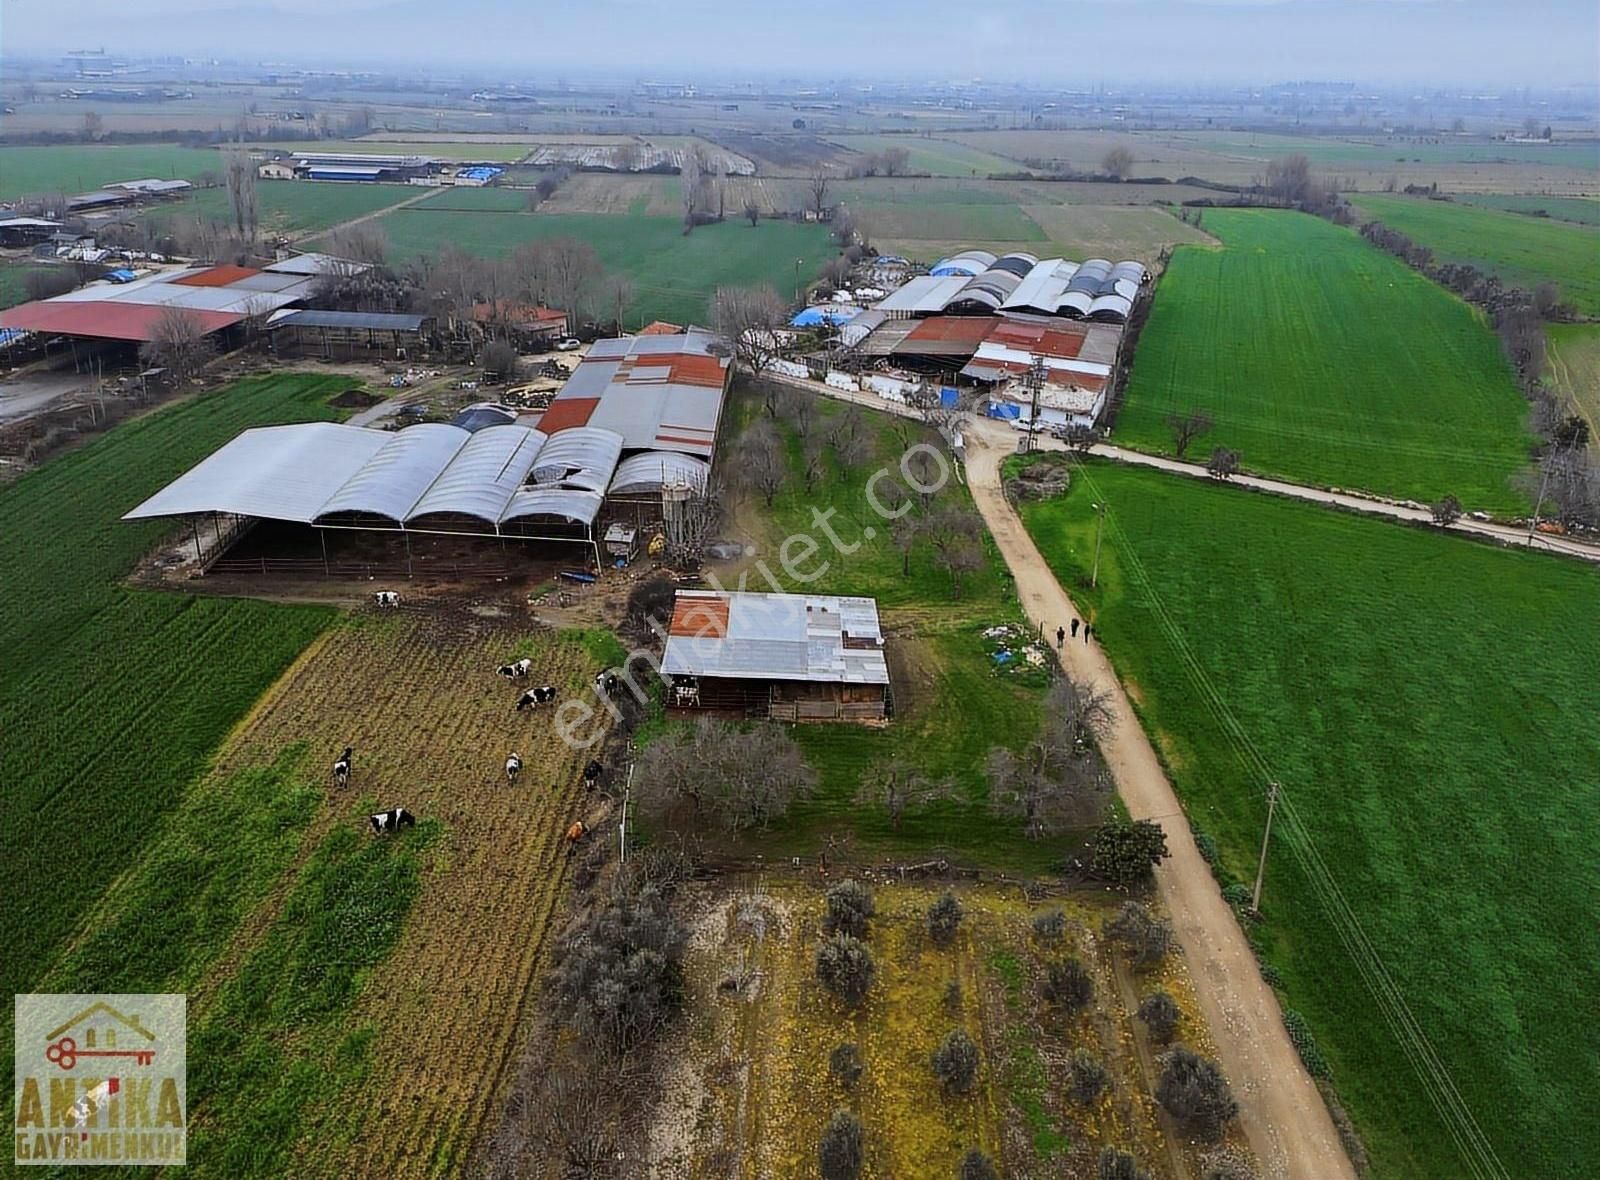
[[1490, 44]]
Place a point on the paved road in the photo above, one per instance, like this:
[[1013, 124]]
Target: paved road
[[1004, 436], [1280, 1109]]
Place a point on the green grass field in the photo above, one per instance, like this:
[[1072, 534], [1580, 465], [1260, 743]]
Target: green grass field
[[1574, 363], [290, 206], [1428, 703], [112, 699], [78, 168], [1581, 210], [938, 157], [1326, 361], [1521, 251], [675, 274]]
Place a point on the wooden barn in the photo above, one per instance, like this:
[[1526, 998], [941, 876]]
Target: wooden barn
[[789, 657]]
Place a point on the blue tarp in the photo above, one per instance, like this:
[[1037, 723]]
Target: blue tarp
[[811, 317], [122, 276], [1005, 411], [949, 398], [480, 173]]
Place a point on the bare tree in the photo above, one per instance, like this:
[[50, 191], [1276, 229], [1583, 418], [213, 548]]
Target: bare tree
[[1187, 427], [761, 461], [689, 180], [903, 535], [625, 157], [1057, 780], [897, 786], [820, 179], [1223, 464], [816, 461], [240, 171], [959, 560], [618, 292], [178, 343], [499, 359], [364, 243], [749, 319], [1117, 162], [895, 161], [738, 778], [1289, 178], [93, 125]]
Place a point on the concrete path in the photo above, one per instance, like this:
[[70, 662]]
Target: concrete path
[[1280, 1109]]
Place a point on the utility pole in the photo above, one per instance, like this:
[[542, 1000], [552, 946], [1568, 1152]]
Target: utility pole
[[1099, 527], [1035, 380], [622, 829], [1261, 866], [1538, 503]]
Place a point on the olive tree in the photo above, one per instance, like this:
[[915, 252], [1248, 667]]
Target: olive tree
[[1193, 1091], [845, 967], [841, 1151], [955, 1062]]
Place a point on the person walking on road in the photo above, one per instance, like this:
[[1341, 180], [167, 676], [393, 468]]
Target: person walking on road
[[1061, 637], [1074, 628], [1088, 630]]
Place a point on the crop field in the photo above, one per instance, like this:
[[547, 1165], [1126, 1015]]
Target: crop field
[[1359, 163], [655, 196], [79, 168], [1326, 361], [1574, 361], [445, 147], [1439, 775], [1579, 210], [675, 273], [1089, 231], [1521, 251], [290, 206], [130, 689], [325, 968], [772, 1042], [938, 157]]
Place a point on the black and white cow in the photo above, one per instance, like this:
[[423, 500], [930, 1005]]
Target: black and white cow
[[386, 598], [513, 768], [392, 820], [592, 773], [516, 670], [607, 683], [341, 767], [533, 697]]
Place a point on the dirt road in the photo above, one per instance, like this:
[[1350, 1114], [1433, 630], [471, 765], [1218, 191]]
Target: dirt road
[[1279, 1107]]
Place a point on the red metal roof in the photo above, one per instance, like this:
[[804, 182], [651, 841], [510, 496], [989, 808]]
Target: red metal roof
[[700, 618], [512, 312], [218, 276], [955, 329], [566, 412], [660, 328], [103, 318], [1044, 339]]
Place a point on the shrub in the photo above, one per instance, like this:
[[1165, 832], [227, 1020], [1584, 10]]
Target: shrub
[[849, 906], [1160, 1015], [844, 1063], [955, 1062], [944, 917], [952, 996], [1145, 937], [1305, 1044], [1087, 1077], [1126, 852], [1049, 926], [1206, 845], [976, 1166], [1067, 985], [622, 977], [1237, 895], [1119, 1165], [845, 967], [840, 1152], [1193, 1091]]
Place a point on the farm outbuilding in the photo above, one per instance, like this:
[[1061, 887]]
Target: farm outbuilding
[[789, 657], [345, 334]]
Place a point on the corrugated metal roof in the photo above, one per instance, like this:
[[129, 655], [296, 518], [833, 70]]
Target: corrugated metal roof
[[279, 472], [484, 474], [111, 320], [651, 470], [373, 320], [583, 457], [924, 295], [574, 504], [217, 276], [775, 637], [315, 264], [392, 481]]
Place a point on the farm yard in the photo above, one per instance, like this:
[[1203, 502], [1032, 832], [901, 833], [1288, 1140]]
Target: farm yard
[[935, 157], [1574, 358], [1328, 362], [754, 1091], [674, 273], [1521, 251], [1443, 776]]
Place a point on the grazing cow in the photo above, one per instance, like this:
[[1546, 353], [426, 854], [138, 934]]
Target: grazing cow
[[386, 598], [592, 773], [341, 768], [576, 831], [392, 820], [517, 670], [543, 695], [607, 683], [513, 768]]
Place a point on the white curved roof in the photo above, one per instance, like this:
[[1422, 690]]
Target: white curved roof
[[281, 472], [580, 457], [484, 475], [1110, 307], [580, 507], [1076, 303], [1127, 288], [657, 469], [393, 480]]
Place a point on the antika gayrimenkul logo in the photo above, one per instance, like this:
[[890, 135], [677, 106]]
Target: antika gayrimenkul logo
[[100, 1079]]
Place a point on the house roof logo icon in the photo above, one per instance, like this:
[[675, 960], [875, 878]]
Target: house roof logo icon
[[64, 1051]]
